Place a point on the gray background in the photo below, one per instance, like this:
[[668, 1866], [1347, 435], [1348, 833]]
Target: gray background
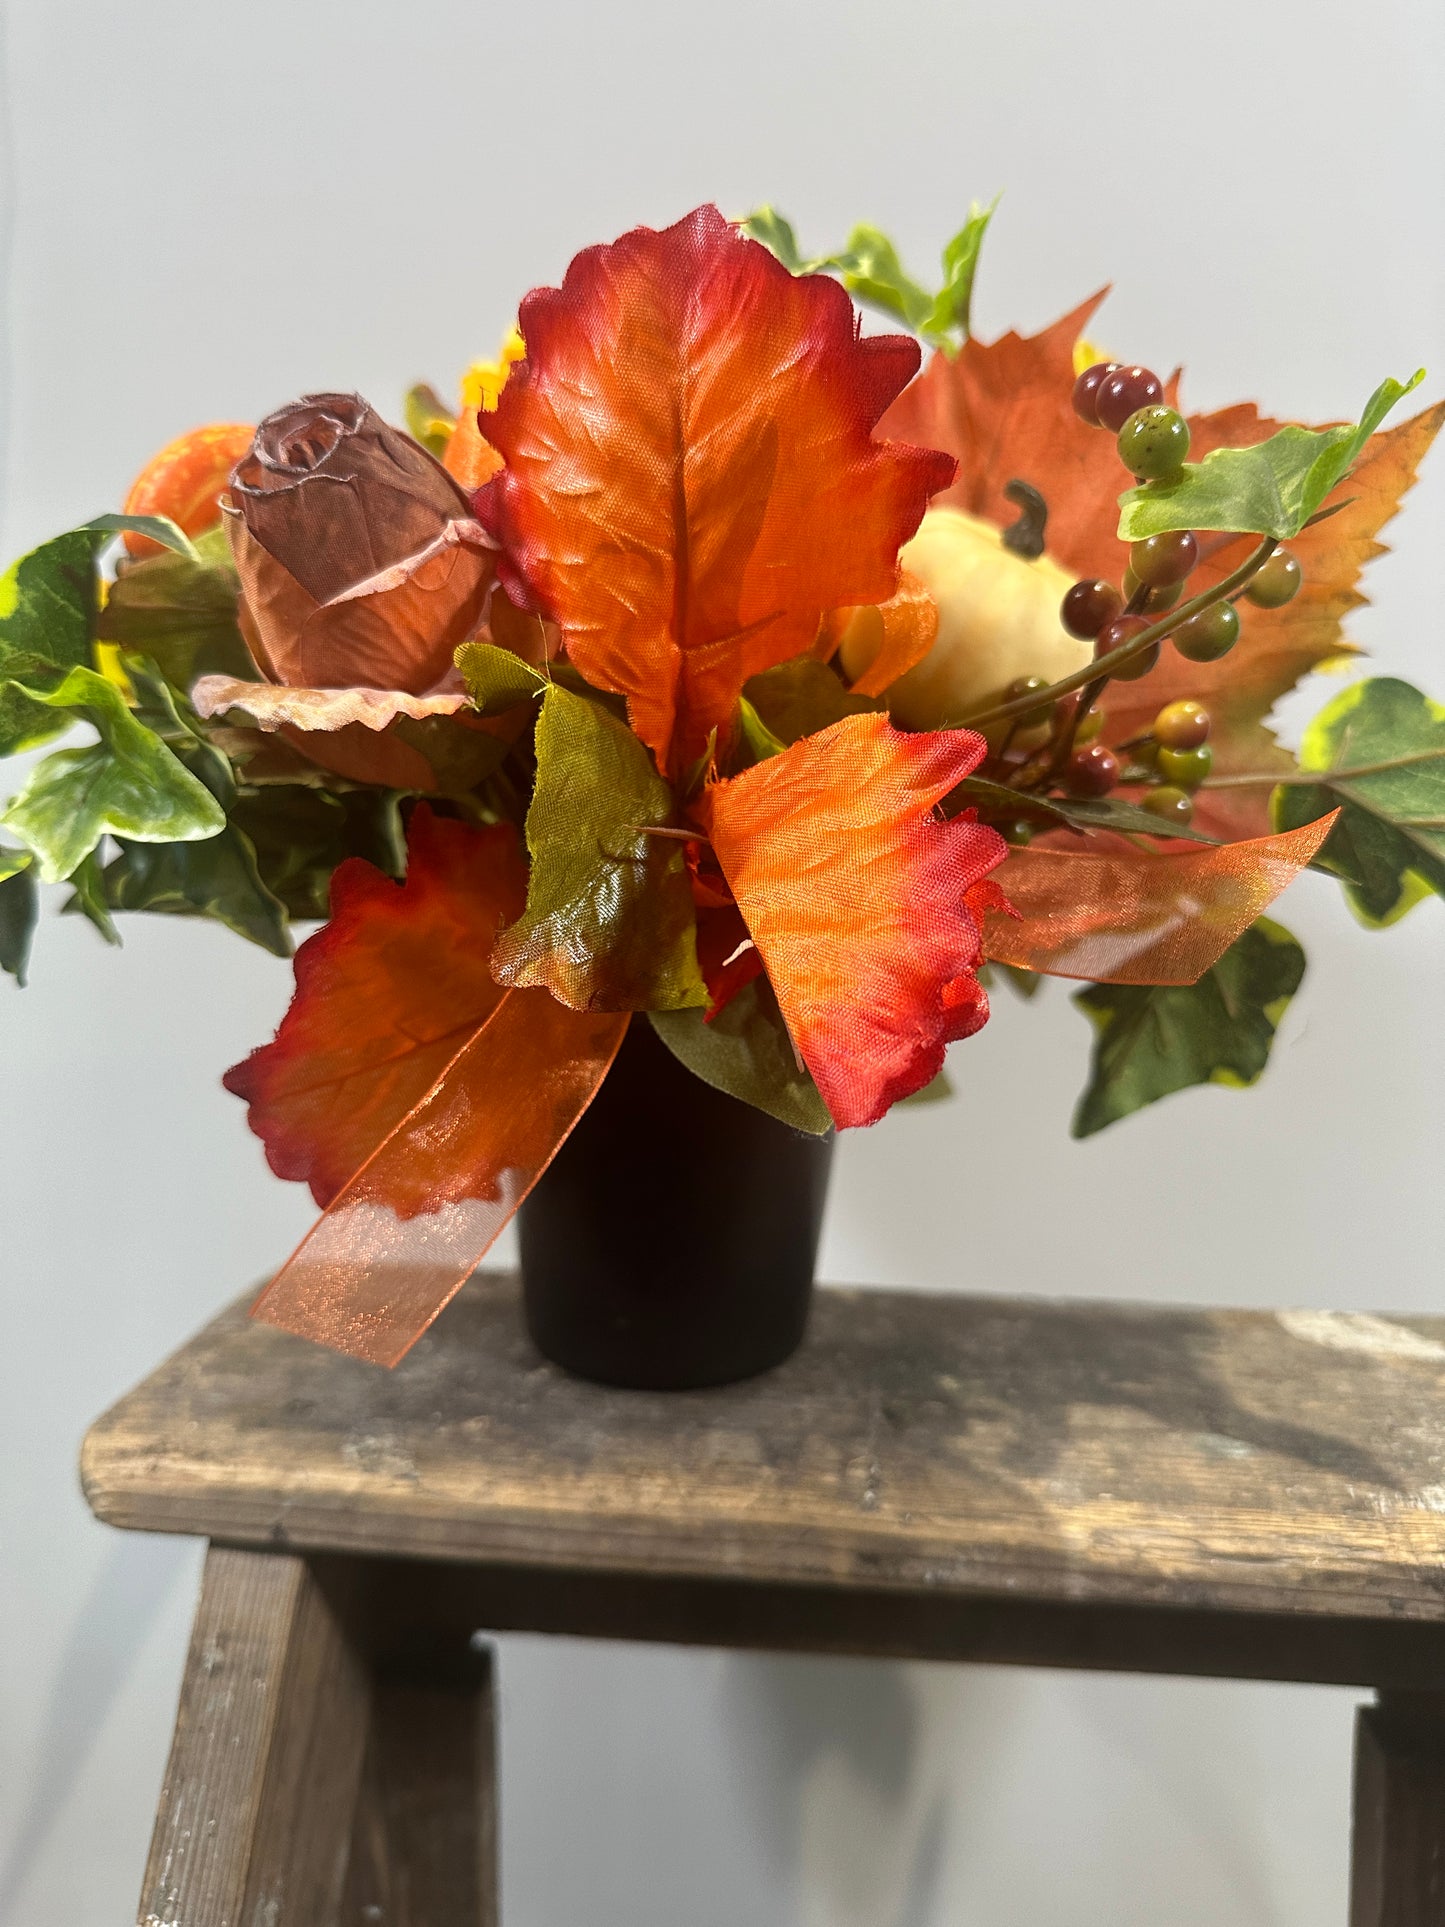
[[210, 208]]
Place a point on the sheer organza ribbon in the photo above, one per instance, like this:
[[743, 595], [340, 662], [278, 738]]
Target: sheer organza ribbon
[[1128, 918], [369, 1277]]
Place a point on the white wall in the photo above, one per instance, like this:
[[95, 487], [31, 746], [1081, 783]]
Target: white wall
[[211, 208]]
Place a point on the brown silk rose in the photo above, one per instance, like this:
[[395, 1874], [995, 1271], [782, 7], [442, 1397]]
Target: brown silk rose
[[360, 561], [362, 570]]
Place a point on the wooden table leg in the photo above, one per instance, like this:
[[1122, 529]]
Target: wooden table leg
[[1398, 1849], [256, 1811], [424, 1848]]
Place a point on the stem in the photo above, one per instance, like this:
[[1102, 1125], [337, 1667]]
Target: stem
[[1303, 778], [1126, 652]]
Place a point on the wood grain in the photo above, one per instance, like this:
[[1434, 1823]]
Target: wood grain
[[424, 1847], [1072, 1454], [1397, 1871], [255, 1813]]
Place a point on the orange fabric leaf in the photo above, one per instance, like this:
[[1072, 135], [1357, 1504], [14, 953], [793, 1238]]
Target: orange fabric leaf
[[470, 458], [856, 894], [692, 478], [898, 634], [418, 1099], [1127, 918], [186, 480], [1004, 409]]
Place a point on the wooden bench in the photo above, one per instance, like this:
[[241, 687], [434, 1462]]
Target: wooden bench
[[1236, 1494]]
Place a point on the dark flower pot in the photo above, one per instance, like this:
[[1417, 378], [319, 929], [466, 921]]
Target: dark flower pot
[[671, 1243]]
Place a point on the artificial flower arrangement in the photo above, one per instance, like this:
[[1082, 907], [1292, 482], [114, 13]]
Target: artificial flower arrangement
[[714, 663]]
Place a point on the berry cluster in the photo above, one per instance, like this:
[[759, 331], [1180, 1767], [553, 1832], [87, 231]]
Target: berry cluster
[[1057, 741]]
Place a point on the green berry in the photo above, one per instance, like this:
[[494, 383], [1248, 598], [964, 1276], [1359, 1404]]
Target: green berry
[[1088, 726], [1186, 768], [1029, 686], [1277, 583], [1174, 805], [1154, 443], [1209, 635], [1018, 833], [1181, 725]]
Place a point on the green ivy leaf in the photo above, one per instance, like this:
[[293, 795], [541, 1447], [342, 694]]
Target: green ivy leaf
[[180, 610], [89, 899], [496, 679], [800, 697], [1151, 1039], [19, 909], [870, 269], [428, 419], [300, 834], [47, 622], [937, 1090], [952, 310], [128, 784], [1380, 750], [160, 528], [609, 923], [1271, 489], [747, 1052]]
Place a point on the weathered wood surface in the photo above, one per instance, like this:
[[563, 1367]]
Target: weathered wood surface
[[424, 1846], [1397, 1854], [255, 1813], [956, 1449]]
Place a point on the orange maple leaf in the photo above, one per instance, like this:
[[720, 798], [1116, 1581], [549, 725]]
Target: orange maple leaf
[[857, 896], [418, 1099], [692, 479], [1004, 409], [1121, 918]]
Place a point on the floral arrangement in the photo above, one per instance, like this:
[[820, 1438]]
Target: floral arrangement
[[713, 662]]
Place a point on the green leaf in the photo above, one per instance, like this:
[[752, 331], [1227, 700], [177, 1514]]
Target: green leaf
[[13, 861], [428, 419], [47, 622], [951, 312], [1380, 750], [1080, 813], [870, 269], [496, 679], [300, 834], [800, 697], [19, 908], [128, 784], [609, 923], [747, 1052], [1151, 1039], [88, 881], [219, 879], [180, 610], [759, 742], [1271, 489], [160, 528]]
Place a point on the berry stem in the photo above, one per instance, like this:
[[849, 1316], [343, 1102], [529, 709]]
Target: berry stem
[[1127, 652], [1304, 778]]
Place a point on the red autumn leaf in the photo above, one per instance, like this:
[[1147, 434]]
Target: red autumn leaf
[[386, 993], [692, 479], [857, 895], [1127, 918], [1004, 409], [418, 1099]]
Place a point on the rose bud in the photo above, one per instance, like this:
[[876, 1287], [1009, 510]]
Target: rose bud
[[361, 564], [998, 621]]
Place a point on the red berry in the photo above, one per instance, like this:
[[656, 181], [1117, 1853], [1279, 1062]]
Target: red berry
[[1086, 391], [1162, 560], [1088, 606], [1121, 630], [1122, 390], [1092, 770]]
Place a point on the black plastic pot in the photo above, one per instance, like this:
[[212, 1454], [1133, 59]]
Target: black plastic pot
[[672, 1241]]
